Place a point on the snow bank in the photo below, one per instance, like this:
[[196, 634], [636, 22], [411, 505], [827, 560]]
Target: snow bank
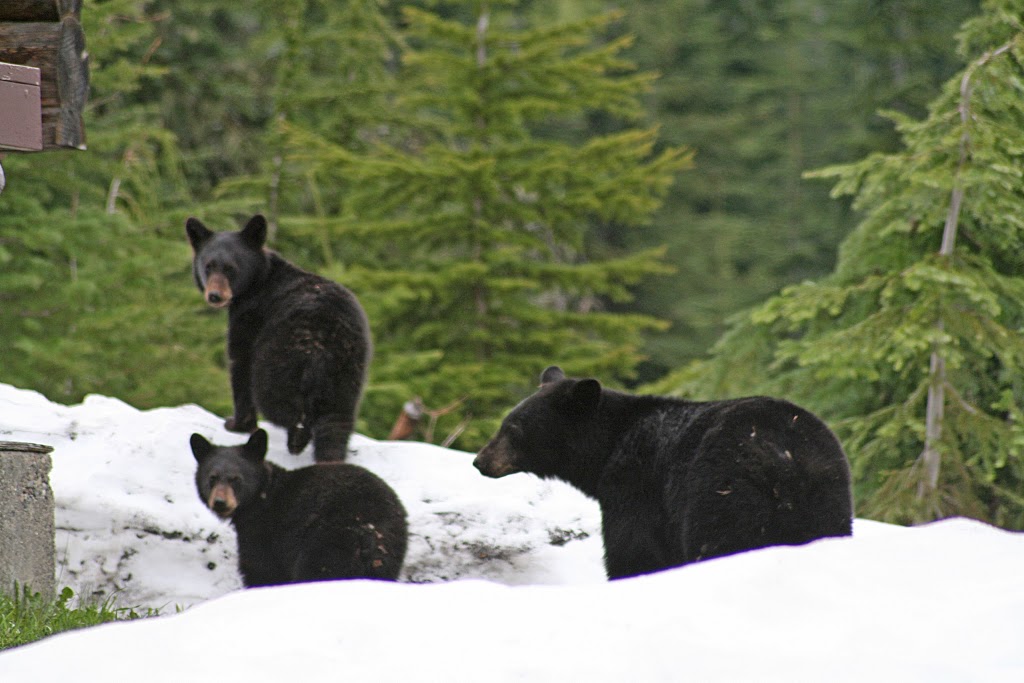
[[937, 603], [131, 527]]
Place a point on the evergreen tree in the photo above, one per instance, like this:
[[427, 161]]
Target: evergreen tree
[[213, 92], [326, 68], [335, 79], [764, 90], [94, 265], [468, 239], [913, 346]]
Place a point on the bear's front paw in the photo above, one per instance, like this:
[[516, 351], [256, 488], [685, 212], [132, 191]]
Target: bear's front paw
[[244, 426]]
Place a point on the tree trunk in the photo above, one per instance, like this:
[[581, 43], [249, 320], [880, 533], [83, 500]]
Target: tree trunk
[[931, 458]]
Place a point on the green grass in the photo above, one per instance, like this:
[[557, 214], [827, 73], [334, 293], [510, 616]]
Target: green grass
[[29, 617]]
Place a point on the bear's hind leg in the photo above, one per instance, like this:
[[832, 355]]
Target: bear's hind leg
[[330, 405], [354, 552], [298, 438], [330, 438]]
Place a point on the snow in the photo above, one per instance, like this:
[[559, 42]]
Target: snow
[[503, 581]]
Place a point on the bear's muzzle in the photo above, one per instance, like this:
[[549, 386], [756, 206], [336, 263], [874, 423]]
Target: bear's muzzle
[[222, 501], [218, 291], [495, 460]]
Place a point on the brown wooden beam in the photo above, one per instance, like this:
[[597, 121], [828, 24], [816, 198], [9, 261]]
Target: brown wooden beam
[[39, 10]]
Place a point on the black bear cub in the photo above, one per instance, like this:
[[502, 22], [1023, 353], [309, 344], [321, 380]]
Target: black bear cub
[[325, 521], [298, 344], [679, 481]]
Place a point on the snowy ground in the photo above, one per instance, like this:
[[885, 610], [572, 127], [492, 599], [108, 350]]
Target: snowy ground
[[130, 523], [517, 590]]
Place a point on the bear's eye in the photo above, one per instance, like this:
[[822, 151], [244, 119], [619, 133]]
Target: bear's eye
[[213, 480], [513, 432]]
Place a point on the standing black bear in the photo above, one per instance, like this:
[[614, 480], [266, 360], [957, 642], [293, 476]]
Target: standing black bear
[[679, 481], [298, 344], [325, 521]]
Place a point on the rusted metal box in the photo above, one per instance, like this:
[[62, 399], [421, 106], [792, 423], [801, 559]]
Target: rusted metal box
[[21, 117]]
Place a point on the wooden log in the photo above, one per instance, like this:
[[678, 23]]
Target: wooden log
[[39, 10], [72, 85], [34, 44], [57, 49]]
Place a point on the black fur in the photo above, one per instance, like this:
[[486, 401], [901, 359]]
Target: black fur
[[298, 344], [680, 481], [325, 521]]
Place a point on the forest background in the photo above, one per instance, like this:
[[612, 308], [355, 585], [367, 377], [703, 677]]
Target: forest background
[[819, 200]]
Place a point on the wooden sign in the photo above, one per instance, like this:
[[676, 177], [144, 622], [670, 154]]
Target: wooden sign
[[21, 118], [47, 35]]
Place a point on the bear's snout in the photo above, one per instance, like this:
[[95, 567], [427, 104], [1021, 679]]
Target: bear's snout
[[495, 460], [222, 501], [218, 291]]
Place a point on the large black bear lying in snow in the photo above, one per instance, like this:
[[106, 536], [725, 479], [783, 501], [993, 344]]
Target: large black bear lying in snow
[[679, 481], [298, 344], [325, 521]]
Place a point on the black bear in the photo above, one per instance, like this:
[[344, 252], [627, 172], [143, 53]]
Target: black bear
[[679, 481], [298, 344], [326, 521]]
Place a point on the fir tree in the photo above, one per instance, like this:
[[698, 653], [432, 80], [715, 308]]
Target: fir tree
[[93, 264], [913, 346], [467, 240], [764, 90]]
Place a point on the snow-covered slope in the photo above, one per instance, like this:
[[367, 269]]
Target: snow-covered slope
[[515, 587], [130, 524]]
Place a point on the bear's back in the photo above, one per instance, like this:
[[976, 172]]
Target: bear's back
[[762, 428], [766, 439], [763, 472], [324, 521], [295, 298], [310, 352], [706, 479], [333, 490]]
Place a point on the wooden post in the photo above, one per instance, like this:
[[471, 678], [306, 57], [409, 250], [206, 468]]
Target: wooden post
[[26, 519], [46, 34]]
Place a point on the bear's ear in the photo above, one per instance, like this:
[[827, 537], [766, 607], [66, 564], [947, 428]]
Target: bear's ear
[[198, 233], [256, 449], [552, 374], [254, 234], [584, 396], [200, 447]]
